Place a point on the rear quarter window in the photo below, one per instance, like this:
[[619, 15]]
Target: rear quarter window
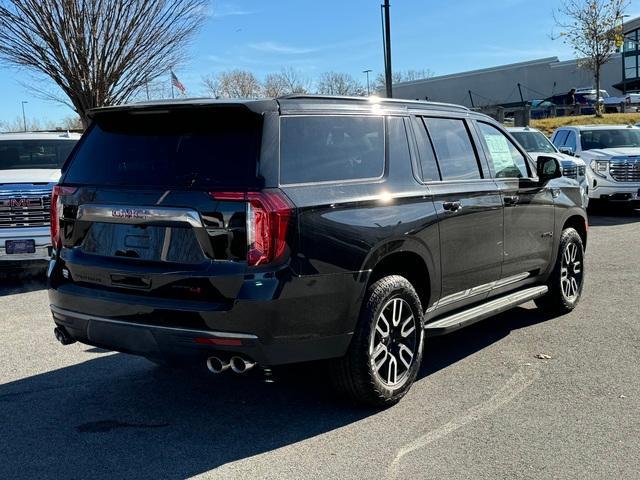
[[331, 148], [454, 150], [560, 137]]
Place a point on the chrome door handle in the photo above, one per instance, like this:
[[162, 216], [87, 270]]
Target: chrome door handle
[[511, 199], [452, 206]]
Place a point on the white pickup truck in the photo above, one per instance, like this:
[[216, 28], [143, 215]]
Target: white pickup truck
[[29, 168], [612, 155]]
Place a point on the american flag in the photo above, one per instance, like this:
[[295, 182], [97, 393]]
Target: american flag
[[177, 83]]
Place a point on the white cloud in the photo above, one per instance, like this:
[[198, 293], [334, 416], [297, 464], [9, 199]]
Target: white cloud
[[221, 10], [275, 47]]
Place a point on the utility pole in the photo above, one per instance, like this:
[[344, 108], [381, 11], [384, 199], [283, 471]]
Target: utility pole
[[367, 72], [24, 117], [471, 98], [387, 49]]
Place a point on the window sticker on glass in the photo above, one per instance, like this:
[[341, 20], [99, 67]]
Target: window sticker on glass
[[500, 152]]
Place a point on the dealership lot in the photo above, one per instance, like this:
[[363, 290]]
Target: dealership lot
[[485, 405]]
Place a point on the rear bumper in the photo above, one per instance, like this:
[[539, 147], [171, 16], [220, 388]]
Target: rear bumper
[[306, 318]]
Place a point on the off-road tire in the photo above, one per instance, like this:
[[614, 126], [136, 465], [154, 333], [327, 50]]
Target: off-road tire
[[354, 374], [556, 300]]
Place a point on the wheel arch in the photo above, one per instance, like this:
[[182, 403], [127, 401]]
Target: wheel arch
[[410, 259], [580, 224]]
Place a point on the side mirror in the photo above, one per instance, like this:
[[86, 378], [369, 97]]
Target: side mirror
[[548, 168], [567, 150]]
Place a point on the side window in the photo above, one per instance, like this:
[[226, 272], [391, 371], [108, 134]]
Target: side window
[[571, 141], [560, 137], [455, 153], [398, 142], [506, 159], [428, 164], [330, 148]]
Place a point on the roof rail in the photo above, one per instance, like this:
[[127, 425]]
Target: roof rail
[[417, 103]]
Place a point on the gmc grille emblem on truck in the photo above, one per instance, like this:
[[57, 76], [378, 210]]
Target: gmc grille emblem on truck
[[19, 202], [130, 213]]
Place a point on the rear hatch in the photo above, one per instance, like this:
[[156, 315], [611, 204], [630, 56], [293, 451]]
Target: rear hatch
[[155, 203]]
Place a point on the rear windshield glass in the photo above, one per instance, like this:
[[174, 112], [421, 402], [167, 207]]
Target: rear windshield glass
[[331, 148], [186, 148], [18, 154]]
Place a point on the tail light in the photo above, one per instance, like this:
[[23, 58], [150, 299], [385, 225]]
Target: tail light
[[268, 216], [56, 210]]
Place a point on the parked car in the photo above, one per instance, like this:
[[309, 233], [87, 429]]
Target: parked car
[[29, 167], [589, 94], [612, 153], [582, 96], [629, 102], [537, 144], [269, 232]]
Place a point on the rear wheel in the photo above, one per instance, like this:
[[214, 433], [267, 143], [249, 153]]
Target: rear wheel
[[567, 279], [386, 350]]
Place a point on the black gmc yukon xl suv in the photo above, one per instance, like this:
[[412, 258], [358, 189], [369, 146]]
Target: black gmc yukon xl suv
[[305, 228]]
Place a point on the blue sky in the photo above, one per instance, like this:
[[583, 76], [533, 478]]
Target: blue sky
[[312, 37]]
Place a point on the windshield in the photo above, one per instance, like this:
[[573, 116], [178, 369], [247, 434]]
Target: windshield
[[592, 139], [19, 154], [534, 142], [182, 148]]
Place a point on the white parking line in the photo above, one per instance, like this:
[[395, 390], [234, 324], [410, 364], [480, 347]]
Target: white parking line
[[520, 380]]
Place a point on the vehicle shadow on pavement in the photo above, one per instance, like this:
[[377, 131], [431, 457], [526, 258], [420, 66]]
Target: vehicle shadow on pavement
[[118, 416], [606, 216], [440, 352], [22, 281]]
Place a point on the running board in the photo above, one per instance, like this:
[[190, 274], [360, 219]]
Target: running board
[[480, 312]]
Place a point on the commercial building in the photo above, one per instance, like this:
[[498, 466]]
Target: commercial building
[[532, 80]]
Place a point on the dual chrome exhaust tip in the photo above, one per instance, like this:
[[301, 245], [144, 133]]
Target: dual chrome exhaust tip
[[236, 363]]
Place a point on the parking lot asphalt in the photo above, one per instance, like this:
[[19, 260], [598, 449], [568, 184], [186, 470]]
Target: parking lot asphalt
[[484, 407]]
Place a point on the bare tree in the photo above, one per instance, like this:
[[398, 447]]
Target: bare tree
[[402, 76], [232, 84], [286, 82], [98, 52], [336, 83], [35, 124], [274, 86], [18, 125], [211, 86], [591, 28]]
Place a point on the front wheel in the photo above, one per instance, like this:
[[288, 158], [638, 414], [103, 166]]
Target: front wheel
[[386, 350], [566, 282]]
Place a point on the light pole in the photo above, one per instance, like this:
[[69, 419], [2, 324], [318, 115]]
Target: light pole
[[386, 33], [367, 72], [24, 117]]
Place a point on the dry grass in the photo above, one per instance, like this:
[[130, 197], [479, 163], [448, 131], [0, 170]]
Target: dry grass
[[548, 125]]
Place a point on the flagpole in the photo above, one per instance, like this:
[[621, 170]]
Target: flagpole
[[171, 81]]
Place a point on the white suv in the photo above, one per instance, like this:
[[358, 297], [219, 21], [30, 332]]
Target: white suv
[[612, 154], [537, 144], [29, 168]]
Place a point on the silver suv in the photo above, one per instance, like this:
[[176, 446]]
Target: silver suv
[[29, 168]]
